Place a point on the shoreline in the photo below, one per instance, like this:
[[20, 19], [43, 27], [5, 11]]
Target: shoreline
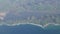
[[42, 26]]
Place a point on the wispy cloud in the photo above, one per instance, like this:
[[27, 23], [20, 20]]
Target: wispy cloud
[[2, 15]]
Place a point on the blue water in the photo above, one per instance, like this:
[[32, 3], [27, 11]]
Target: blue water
[[28, 29]]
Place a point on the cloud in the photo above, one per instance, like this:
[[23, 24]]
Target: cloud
[[2, 15]]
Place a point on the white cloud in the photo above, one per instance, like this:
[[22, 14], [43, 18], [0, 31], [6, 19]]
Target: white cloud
[[2, 15]]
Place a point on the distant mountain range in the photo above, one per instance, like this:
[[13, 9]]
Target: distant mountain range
[[31, 17], [36, 11]]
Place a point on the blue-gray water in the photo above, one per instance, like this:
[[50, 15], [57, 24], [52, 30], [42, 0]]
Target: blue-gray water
[[28, 29]]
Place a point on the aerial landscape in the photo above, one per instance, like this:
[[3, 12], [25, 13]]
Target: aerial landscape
[[29, 16]]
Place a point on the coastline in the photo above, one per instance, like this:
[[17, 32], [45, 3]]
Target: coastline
[[38, 25]]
